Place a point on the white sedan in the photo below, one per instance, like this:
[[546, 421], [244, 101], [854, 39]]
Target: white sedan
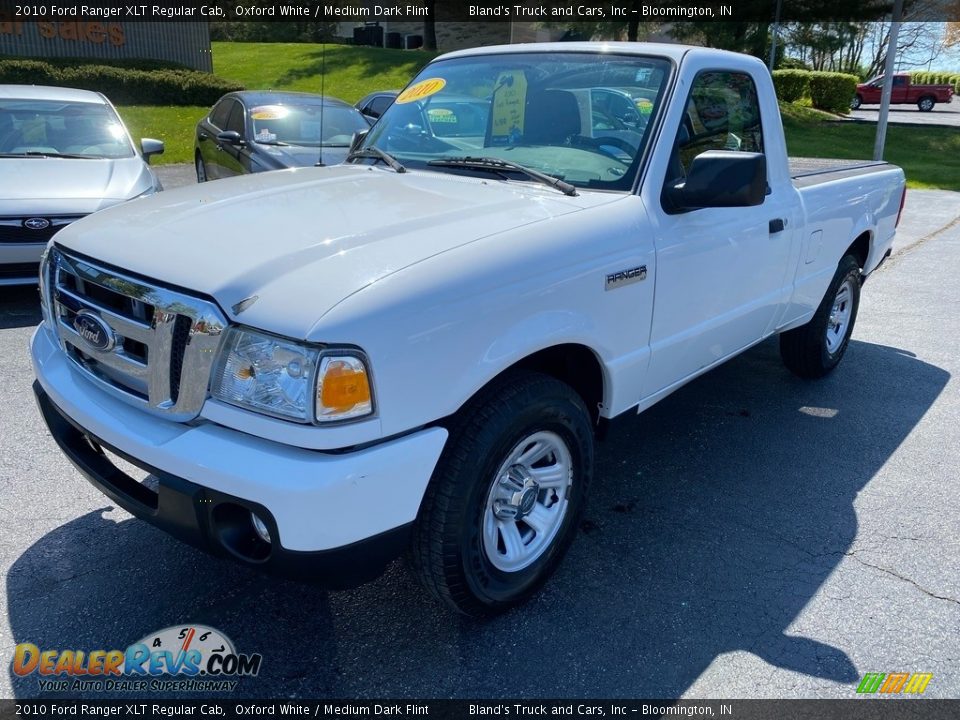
[[64, 154]]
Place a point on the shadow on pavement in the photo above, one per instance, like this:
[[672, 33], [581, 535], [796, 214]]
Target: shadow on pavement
[[20, 306], [716, 517]]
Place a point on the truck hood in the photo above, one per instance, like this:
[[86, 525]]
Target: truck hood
[[51, 186], [302, 240]]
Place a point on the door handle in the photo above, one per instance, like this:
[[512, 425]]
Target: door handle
[[202, 136], [777, 225]]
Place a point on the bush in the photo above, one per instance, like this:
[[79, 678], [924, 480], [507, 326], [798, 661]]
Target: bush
[[832, 91], [123, 85], [791, 85]]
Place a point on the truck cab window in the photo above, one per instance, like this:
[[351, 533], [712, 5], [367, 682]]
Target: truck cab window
[[722, 113]]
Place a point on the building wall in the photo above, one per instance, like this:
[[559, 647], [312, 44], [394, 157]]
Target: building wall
[[187, 43]]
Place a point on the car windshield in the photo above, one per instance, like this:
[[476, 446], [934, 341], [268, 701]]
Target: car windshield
[[302, 125], [582, 118], [69, 129]]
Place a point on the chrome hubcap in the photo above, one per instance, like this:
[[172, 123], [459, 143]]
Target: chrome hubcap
[[527, 501], [840, 314]]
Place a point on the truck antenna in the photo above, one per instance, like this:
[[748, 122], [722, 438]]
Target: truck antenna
[[323, 97]]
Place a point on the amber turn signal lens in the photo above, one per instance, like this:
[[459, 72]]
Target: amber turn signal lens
[[344, 389]]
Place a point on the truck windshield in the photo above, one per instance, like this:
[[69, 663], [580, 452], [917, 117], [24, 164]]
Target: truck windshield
[[582, 118]]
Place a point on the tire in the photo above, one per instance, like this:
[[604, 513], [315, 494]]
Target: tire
[[815, 349], [926, 104], [856, 103], [462, 547], [201, 169]]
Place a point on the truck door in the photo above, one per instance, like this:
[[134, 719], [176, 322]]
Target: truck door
[[898, 95], [720, 272]]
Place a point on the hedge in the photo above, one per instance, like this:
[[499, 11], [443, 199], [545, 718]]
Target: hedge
[[124, 86], [923, 77], [828, 91], [832, 91], [791, 85]]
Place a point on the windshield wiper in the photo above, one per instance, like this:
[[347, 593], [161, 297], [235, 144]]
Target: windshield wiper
[[377, 154], [39, 154], [501, 166]]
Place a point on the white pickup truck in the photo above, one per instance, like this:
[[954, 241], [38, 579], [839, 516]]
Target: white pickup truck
[[318, 369]]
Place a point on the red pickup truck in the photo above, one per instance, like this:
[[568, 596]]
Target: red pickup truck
[[904, 93]]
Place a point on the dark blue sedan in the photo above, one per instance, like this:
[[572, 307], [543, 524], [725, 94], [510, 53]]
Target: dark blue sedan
[[250, 131]]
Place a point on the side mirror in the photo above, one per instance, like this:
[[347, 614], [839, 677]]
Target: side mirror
[[230, 137], [150, 147], [721, 178], [358, 137]]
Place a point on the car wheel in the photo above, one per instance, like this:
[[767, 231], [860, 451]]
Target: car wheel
[[815, 349], [201, 169], [506, 497], [926, 104], [856, 103]]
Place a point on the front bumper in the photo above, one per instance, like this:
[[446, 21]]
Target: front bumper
[[335, 518]]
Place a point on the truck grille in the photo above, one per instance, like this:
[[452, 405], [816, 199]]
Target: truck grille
[[14, 231], [152, 346]]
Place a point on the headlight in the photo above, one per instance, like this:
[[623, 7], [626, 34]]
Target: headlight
[[290, 380], [46, 302]]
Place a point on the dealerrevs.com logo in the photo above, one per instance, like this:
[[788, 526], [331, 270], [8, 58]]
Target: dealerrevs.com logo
[[188, 658]]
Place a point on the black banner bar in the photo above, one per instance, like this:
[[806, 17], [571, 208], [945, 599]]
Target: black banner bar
[[550, 11], [852, 709]]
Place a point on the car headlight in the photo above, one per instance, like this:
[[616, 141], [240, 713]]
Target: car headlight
[[46, 301], [291, 380]]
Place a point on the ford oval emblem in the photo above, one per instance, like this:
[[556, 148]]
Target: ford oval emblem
[[95, 332], [36, 223]]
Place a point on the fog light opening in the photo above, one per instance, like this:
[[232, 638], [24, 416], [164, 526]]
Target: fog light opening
[[260, 528]]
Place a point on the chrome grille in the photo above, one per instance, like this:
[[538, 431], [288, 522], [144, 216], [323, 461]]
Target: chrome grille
[[15, 230], [163, 342]]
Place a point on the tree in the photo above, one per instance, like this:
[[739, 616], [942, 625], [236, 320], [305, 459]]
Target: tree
[[430, 25]]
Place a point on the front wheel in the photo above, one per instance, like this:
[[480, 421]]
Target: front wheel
[[815, 349], [505, 499], [926, 104], [856, 102]]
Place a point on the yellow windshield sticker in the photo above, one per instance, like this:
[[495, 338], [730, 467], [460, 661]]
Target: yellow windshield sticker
[[441, 115], [420, 90], [644, 106], [509, 101], [269, 112]]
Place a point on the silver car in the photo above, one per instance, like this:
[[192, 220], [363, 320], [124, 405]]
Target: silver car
[[64, 154]]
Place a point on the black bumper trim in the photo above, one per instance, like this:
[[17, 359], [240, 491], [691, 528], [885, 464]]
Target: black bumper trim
[[211, 520]]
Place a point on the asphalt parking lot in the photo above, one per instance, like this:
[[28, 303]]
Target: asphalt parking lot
[[942, 114], [753, 535]]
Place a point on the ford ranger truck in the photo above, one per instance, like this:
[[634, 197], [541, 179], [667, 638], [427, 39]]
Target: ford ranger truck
[[320, 369]]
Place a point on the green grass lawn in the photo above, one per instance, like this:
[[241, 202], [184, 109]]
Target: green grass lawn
[[929, 155], [351, 72], [174, 125]]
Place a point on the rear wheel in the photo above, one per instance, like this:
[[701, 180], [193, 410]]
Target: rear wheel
[[815, 349], [926, 104], [505, 499], [201, 169]]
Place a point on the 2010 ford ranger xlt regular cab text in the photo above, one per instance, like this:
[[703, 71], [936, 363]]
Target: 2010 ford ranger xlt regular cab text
[[321, 368]]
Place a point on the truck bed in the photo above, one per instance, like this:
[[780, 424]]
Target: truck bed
[[807, 172]]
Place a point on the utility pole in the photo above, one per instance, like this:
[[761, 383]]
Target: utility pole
[[888, 70], [773, 40]]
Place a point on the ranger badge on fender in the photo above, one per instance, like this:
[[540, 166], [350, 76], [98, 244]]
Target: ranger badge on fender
[[625, 277]]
